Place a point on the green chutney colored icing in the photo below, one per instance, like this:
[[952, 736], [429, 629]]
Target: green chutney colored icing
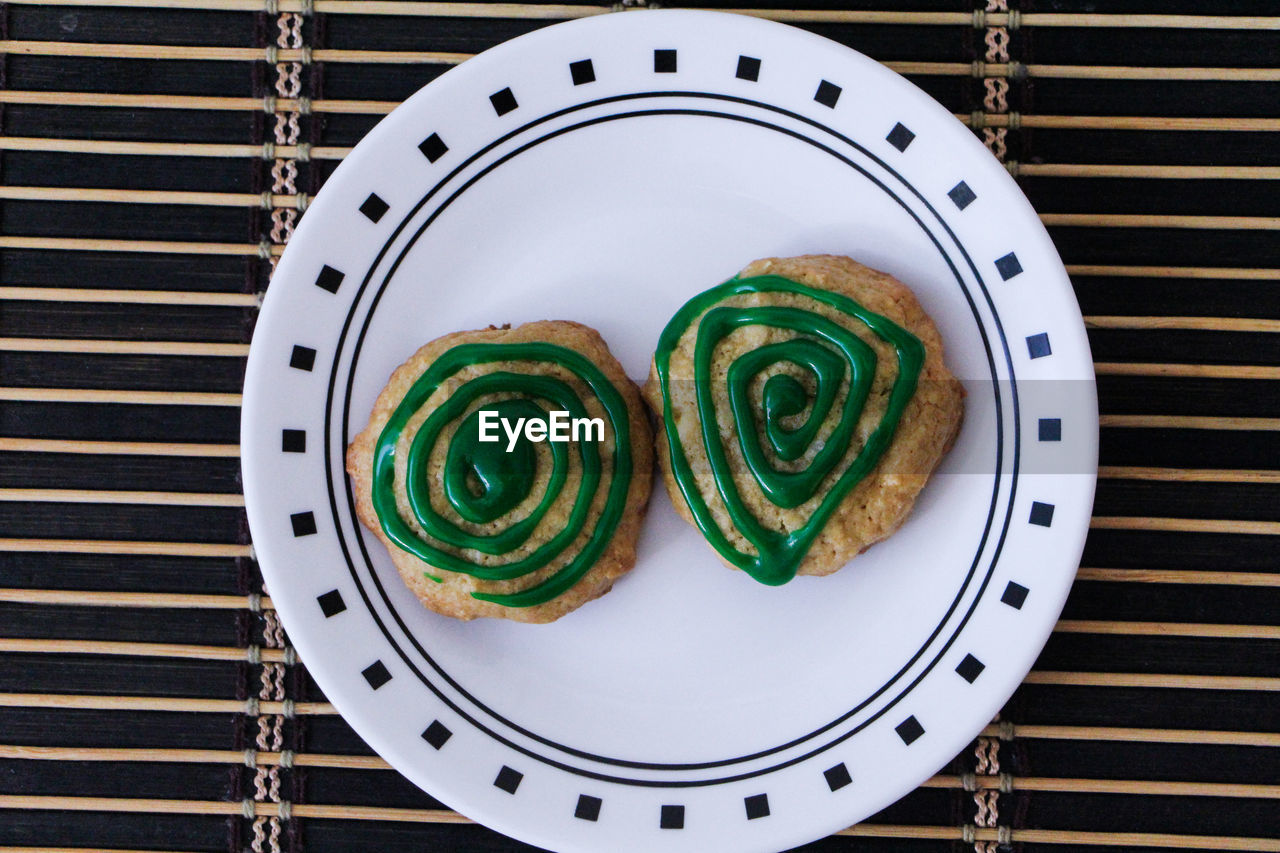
[[826, 353], [483, 482]]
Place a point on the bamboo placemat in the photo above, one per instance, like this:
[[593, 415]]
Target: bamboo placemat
[[156, 157]]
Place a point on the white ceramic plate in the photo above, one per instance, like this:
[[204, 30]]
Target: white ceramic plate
[[604, 171]]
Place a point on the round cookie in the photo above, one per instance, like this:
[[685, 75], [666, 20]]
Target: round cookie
[[837, 374], [520, 528]]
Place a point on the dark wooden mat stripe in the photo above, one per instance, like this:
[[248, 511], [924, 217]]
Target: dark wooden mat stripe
[[147, 698]]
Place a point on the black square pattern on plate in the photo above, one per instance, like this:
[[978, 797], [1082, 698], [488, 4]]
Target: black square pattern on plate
[[672, 817], [433, 147], [376, 674], [373, 207], [962, 196], [302, 358], [508, 779], [582, 71], [329, 279], [331, 603], [1008, 266], [588, 807], [970, 668], [1051, 429], [293, 441], [837, 777], [664, 61], [304, 523], [1014, 595], [503, 102], [437, 734], [1041, 514], [757, 806], [1038, 345], [900, 137], [909, 730], [828, 93], [748, 68]]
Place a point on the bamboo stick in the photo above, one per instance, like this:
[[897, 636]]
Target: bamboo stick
[[371, 762], [108, 395], [929, 833], [97, 194], [96, 244], [132, 804], [158, 703], [93, 496], [143, 101], [1144, 679], [215, 53], [117, 546], [113, 598], [1131, 72], [1139, 839], [189, 756], [1126, 271], [165, 149], [506, 10], [368, 107], [118, 448], [1188, 422], [1070, 836], [153, 650], [24, 47], [1156, 220], [1180, 576], [438, 816], [1216, 324], [89, 194], [1187, 475], [236, 653], [1202, 371], [1131, 735], [106, 347], [148, 755], [1169, 629], [269, 104], [550, 11], [1184, 525], [1189, 22], [1140, 787], [139, 297], [339, 812], [1126, 170], [267, 201]]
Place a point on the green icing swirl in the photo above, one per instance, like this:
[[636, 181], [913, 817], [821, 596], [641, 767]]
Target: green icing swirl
[[826, 352], [483, 482]]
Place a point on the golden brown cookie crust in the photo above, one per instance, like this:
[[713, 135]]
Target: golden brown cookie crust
[[452, 596], [880, 503]]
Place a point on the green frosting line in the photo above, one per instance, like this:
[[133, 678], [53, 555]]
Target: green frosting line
[[826, 352], [484, 482]]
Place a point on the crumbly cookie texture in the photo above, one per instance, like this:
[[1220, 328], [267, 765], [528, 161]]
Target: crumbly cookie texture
[[453, 595], [879, 504]]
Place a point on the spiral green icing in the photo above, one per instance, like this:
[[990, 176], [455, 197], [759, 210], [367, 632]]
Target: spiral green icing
[[483, 482], [825, 352]]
